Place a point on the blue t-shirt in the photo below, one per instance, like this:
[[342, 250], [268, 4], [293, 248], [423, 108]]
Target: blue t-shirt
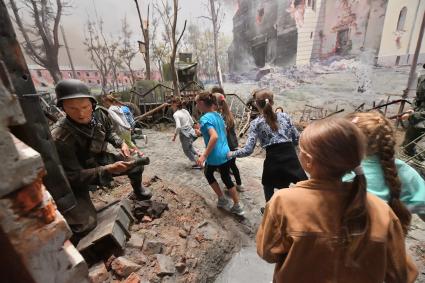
[[213, 120]]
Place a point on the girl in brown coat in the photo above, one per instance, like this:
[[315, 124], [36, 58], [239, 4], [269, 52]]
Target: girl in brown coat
[[326, 230]]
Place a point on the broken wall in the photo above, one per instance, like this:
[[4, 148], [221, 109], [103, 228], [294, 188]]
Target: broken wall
[[264, 32], [399, 41], [341, 27]]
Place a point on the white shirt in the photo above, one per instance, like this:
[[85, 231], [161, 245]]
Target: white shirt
[[118, 118], [184, 122]]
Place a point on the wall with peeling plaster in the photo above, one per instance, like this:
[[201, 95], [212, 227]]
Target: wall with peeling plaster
[[398, 47], [263, 32]]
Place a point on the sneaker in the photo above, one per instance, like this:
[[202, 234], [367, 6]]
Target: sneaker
[[145, 137], [237, 209], [240, 188], [224, 203]]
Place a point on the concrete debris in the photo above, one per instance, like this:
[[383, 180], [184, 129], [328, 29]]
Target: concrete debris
[[108, 262], [124, 267], [183, 234], [98, 273], [181, 267], [153, 247], [153, 209], [146, 219], [133, 278], [136, 241], [166, 265]]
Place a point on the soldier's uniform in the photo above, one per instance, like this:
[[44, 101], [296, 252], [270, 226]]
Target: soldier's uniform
[[416, 126], [82, 151]]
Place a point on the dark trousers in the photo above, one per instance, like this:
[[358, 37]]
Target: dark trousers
[[411, 134], [224, 170], [269, 191], [235, 171], [83, 217]]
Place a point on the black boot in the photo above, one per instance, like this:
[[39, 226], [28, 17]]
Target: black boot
[[139, 191]]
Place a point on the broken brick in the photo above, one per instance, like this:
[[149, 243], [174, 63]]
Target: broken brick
[[124, 267], [99, 274], [133, 278]]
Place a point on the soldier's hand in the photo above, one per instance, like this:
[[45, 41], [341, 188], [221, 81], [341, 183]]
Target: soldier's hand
[[125, 151], [118, 167], [407, 114]]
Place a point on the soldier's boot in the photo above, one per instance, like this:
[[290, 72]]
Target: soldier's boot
[[140, 192]]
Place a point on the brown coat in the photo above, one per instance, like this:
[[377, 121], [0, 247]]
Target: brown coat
[[301, 233]]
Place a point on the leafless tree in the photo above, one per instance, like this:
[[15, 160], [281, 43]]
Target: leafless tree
[[145, 26], [101, 51], [127, 51], [216, 17], [170, 25], [41, 40]]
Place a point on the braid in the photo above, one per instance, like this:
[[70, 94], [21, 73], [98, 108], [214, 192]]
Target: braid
[[386, 155], [381, 141]]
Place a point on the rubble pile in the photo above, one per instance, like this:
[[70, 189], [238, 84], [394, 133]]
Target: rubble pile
[[171, 240], [279, 79]]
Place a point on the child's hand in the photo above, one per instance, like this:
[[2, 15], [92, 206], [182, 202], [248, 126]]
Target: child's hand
[[230, 155], [201, 160]]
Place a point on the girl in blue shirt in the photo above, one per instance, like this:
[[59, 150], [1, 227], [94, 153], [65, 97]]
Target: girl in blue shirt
[[213, 130], [387, 177]]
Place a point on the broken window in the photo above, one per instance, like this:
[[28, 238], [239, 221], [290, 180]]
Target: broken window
[[401, 19], [311, 4], [260, 14]]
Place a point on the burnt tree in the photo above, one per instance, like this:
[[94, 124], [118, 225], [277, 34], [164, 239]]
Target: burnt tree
[[41, 40]]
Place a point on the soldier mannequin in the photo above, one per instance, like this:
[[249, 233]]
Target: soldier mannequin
[[416, 117], [81, 139]]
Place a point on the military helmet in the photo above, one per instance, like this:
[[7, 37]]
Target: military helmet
[[68, 89]]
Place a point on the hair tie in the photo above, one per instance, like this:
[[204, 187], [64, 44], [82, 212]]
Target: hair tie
[[355, 120], [222, 98], [358, 170], [267, 100]]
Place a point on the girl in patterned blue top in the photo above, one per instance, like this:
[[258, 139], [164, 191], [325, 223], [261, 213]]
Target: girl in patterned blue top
[[278, 136], [213, 131]]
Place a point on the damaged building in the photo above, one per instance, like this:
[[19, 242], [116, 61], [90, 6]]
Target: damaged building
[[288, 32], [387, 28], [263, 32]]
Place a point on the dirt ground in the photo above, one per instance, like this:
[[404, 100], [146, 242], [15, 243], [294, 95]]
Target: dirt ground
[[197, 236], [209, 245]]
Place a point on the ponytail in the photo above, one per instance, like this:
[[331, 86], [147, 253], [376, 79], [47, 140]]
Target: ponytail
[[270, 115], [225, 110], [356, 221]]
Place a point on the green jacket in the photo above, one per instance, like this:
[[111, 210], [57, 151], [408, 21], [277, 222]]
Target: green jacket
[[82, 149], [417, 119]]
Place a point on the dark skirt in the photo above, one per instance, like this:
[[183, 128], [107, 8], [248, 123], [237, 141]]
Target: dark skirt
[[282, 166]]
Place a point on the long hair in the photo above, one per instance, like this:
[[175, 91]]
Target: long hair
[[207, 97], [110, 98], [225, 110], [178, 102], [327, 142], [381, 141], [264, 101]]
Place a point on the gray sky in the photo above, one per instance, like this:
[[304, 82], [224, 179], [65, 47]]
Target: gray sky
[[113, 11]]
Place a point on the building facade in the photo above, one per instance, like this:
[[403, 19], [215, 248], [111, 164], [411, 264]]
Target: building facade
[[42, 78], [263, 32], [387, 28], [283, 32], [400, 33]]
